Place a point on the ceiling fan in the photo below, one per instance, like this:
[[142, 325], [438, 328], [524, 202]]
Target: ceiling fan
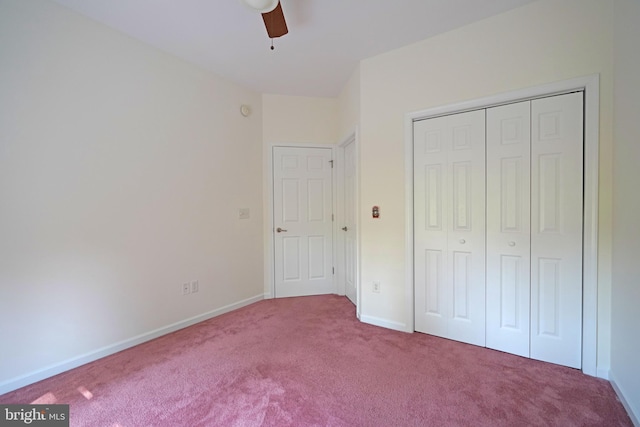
[[272, 16]]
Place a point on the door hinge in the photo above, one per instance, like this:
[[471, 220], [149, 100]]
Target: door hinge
[[333, 270], [331, 161], [331, 217]]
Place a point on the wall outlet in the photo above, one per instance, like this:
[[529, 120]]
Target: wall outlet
[[195, 286], [244, 213], [376, 287], [186, 289]]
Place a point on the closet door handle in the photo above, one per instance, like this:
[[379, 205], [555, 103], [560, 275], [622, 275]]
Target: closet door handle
[[462, 241], [512, 243]]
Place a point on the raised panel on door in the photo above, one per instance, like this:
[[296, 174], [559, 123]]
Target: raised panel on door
[[291, 261], [556, 223], [449, 211], [508, 228], [302, 214]]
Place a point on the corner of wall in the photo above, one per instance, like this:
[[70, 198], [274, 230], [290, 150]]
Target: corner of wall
[[635, 417]]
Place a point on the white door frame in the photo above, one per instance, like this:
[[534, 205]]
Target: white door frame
[[340, 256], [591, 87], [269, 254]]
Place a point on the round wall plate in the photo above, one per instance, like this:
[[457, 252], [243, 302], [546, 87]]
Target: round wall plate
[[245, 110]]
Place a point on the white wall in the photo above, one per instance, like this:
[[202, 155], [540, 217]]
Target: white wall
[[625, 338], [299, 119], [121, 172], [349, 105], [544, 42]]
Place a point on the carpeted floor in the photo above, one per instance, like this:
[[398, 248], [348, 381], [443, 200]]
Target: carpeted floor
[[309, 362]]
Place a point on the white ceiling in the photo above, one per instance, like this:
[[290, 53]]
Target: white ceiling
[[326, 38]]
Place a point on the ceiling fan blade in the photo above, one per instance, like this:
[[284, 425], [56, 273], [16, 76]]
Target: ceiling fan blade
[[275, 23]]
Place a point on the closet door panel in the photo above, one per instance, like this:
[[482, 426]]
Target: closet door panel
[[449, 215], [466, 233], [508, 228], [431, 139], [556, 235]]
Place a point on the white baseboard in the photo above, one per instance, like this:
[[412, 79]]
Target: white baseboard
[[384, 323], [634, 417], [55, 369]]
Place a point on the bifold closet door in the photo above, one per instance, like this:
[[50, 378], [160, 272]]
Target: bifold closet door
[[556, 229], [449, 226], [534, 228], [508, 227]]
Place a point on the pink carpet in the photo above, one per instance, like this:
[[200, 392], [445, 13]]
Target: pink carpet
[[309, 362]]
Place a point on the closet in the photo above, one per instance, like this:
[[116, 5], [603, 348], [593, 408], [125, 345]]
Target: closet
[[498, 202]]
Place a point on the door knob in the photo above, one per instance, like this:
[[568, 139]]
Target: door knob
[[280, 230], [462, 241], [512, 243], [344, 228]]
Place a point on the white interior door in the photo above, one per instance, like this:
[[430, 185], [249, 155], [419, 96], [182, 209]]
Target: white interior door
[[508, 227], [556, 229], [303, 230], [449, 216], [349, 226]]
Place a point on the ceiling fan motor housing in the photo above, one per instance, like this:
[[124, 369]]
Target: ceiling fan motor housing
[[262, 6]]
